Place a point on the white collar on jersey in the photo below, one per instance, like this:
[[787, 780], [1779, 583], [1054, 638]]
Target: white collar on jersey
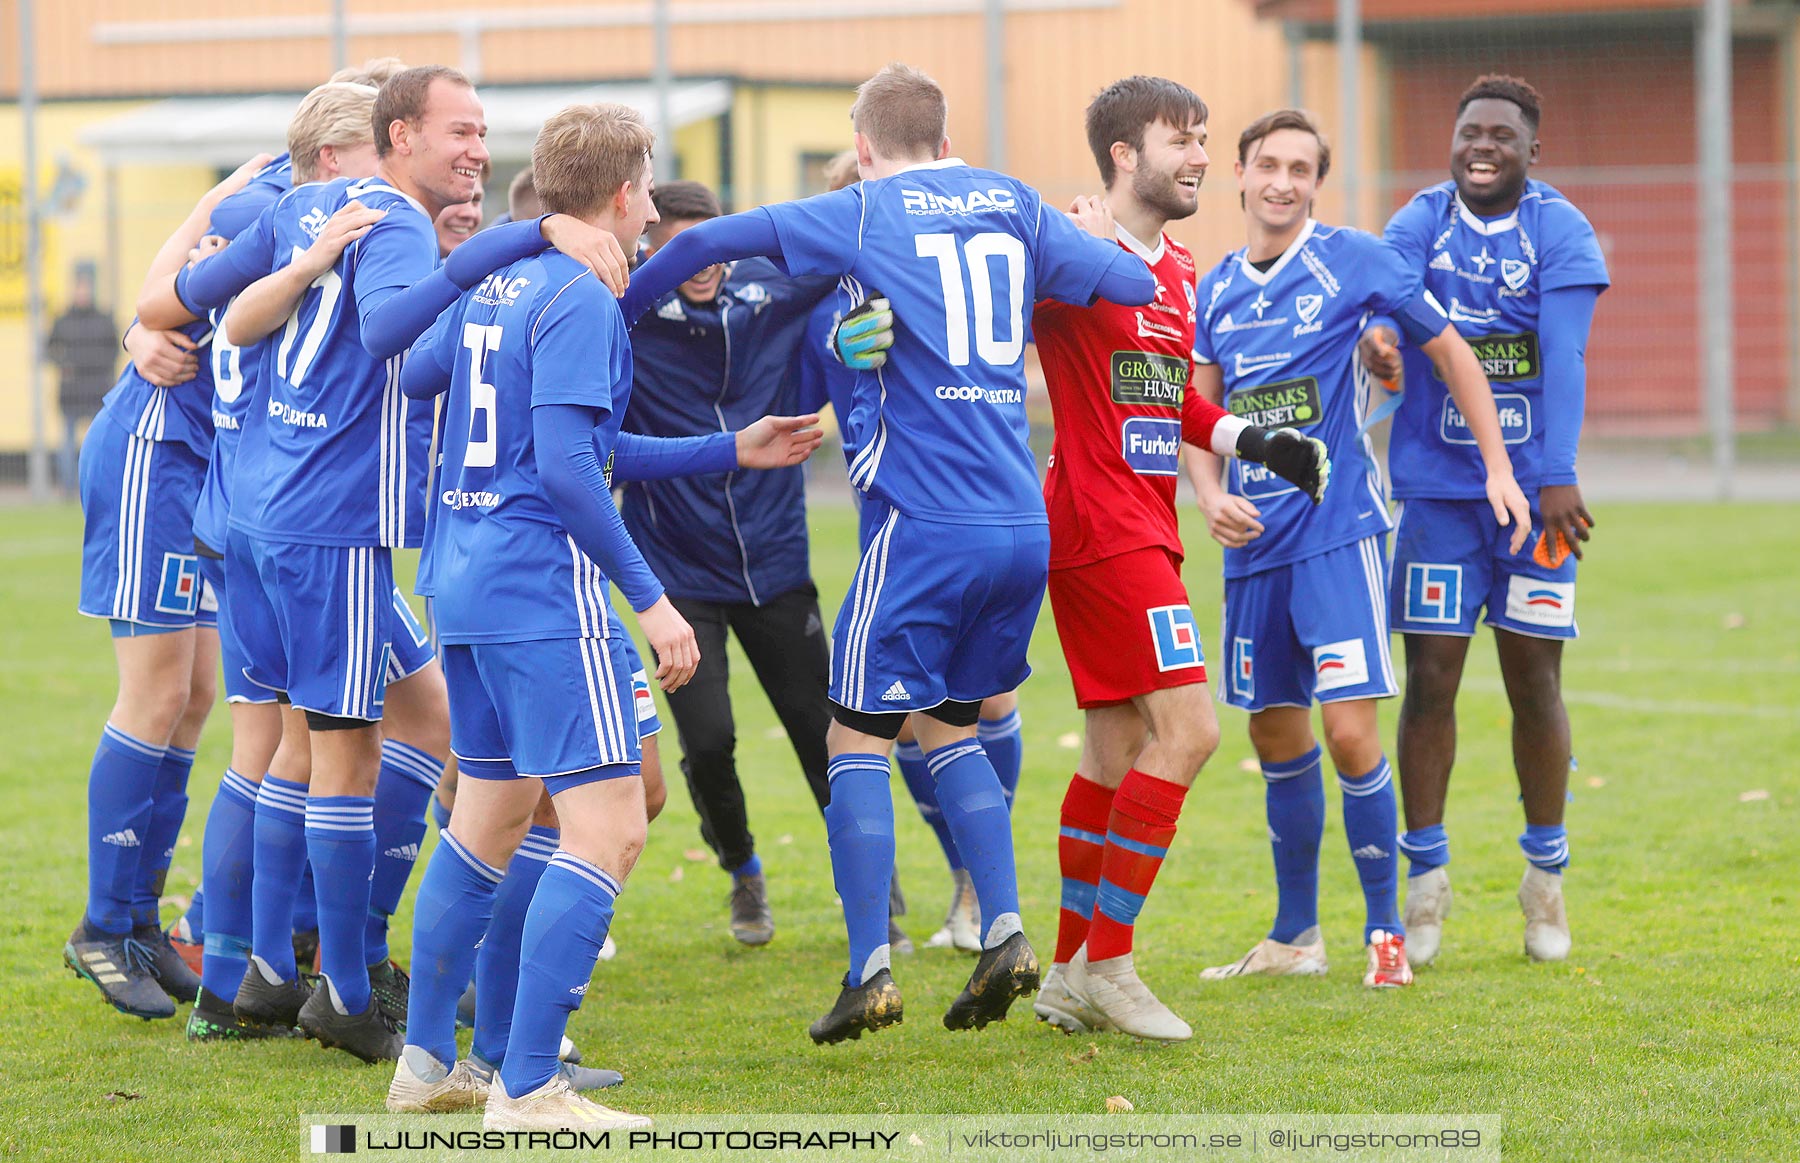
[[375, 182], [1481, 225], [1152, 257], [1263, 278], [940, 164]]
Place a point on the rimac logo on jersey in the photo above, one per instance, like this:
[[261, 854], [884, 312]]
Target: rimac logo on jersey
[[998, 200], [1308, 307], [499, 291], [1243, 669], [179, 592], [1148, 379], [1515, 420], [1291, 403], [314, 223], [1540, 603], [1152, 447], [1433, 593], [1340, 664], [1176, 637]]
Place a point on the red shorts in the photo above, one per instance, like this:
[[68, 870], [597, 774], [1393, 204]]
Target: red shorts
[[1126, 627]]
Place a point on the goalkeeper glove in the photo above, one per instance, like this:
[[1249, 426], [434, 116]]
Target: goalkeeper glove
[[861, 339], [1300, 460]]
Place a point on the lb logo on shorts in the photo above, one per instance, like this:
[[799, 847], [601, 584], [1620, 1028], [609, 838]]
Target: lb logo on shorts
[[1433, 593], [1540, 603], [1176, 637], [1340, 664], [179, 592], [1243, 669]]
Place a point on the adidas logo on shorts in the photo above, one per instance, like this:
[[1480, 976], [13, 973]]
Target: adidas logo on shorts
[[895, 694], [403, 852], [124, 839]]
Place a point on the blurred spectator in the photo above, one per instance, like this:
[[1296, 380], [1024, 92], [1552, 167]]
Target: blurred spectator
[[84, 346]]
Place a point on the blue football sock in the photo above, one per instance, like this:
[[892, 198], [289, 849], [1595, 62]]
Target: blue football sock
[[227, 862], [1425, 848], [408, 777], [859, 821], [340, 841], [564, 929], [1370, 818], [1294, 797], [306, 903], [1004, 742], [280, 855], [450, 914], [168, 808], [195, 917], [924, 793], [1546, 846], [121, 797], [497, 965], [975, 808], [749, 868]]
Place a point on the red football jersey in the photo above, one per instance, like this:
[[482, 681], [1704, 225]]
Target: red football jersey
[[1118, 379]]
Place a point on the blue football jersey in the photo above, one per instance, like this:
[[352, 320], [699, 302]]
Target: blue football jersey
[[1489, 274], [541, 331], [235, 371], [335, 454], [1285, 340], [962, 254], [179, 413]]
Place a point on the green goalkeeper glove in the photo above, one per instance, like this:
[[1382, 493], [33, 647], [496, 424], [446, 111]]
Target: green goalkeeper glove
[[862, 338]]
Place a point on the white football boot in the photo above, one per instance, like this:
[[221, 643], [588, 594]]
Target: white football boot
[[961, 928], [1114, 989], [1546, 924], [554, 1106], [1272, 958], [1388, 968], [459, 1090], [1063, 1008], [1428, 900]]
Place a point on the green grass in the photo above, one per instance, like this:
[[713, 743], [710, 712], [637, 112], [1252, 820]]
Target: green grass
[[1671, 1032]]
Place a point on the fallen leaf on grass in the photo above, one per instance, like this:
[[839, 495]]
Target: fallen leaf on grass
[[1088, 1055], [785, 838], [1068, 741], [1751, 796], [696, 854], [1249, 765], [1734, 621], [913, 1140], [1595, 781], [1118, 1104], [676, 874], [185, 842], [121, 1096]]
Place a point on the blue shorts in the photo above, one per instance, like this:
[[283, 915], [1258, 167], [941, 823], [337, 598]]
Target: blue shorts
[[938, 612], [648, 722], [1312, 630], [552, 709], [137, 547], [316, 621], [1451, 559], [238, 687]]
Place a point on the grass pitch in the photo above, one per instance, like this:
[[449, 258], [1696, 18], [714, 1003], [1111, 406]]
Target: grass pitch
[[1671, 1032]]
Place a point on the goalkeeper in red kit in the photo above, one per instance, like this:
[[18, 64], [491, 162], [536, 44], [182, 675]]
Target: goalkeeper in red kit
[[1118, 379]]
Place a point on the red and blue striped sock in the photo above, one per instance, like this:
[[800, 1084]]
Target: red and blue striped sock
[[1137, 838], [1086, 811]]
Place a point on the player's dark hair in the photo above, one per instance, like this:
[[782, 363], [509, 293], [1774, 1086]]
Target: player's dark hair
[[902, 112], [1124, 109], [685, 201], [1504, 88], [403, 97], [1284, 119]]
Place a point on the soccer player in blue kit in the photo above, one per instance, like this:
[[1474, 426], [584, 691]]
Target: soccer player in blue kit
[[331, 478], [1305, 585], [523, 541], [1519, 270], [943, 603]]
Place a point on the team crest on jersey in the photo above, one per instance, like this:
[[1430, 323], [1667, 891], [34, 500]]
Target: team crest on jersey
[[179, 591], [1308, 307], [753, 293], [1243, 669], [1337, 665], [1515, 273], [1218, 289], [1540, 603], [1433, 593], [1176, 637]]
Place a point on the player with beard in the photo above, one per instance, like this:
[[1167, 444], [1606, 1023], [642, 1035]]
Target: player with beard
[[1118, 379], [1520, 270]]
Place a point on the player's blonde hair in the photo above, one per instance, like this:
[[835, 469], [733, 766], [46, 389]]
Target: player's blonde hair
[[841, 171], [585, 153], [374, 71], [902, 112], [336, 114]]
